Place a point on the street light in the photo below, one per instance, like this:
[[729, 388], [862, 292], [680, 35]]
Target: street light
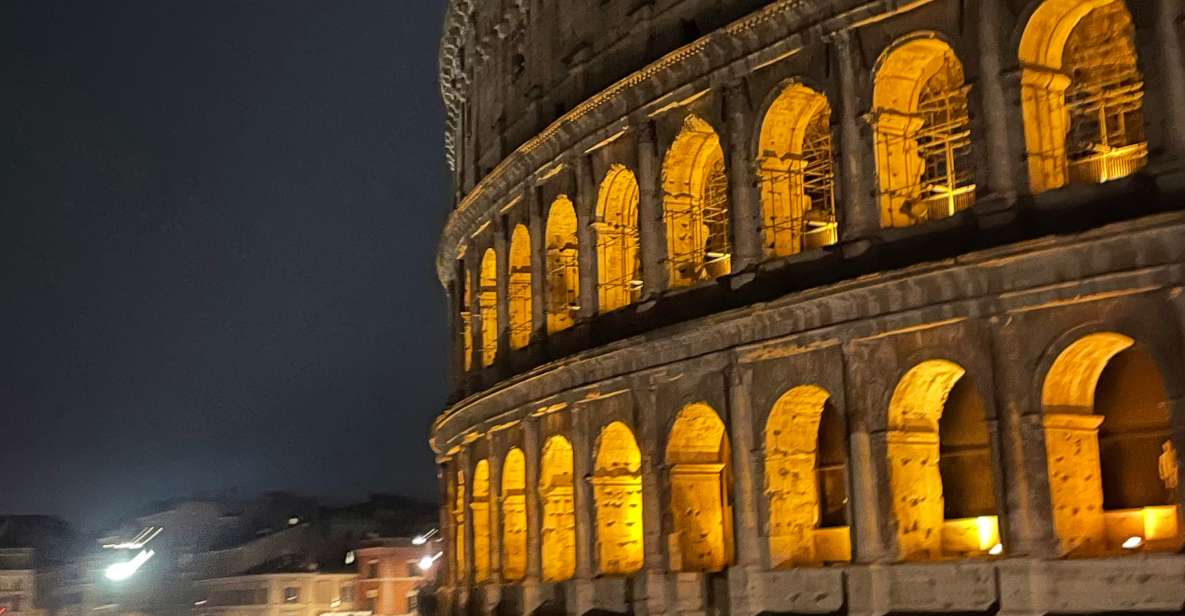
[[427, 561], [422, 539], [120, 571]]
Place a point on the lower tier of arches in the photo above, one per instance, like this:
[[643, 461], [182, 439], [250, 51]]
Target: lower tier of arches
[[996, 432]]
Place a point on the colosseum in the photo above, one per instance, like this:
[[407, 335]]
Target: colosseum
[[814, 307]]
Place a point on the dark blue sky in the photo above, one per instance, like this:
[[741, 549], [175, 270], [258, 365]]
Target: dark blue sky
[[217, 227]]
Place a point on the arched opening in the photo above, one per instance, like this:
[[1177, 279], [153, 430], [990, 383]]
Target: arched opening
[[514, 516], [1112, 464], [695, 206], [806, 480], [520, 288], [466, 317], [487, 299], [563, 266], [797, 174], [479, 508], [618, 264], [559, 517], [617, 491], [459, 528], [940, 465], [923, 134], [1082, 94], [700, 478]]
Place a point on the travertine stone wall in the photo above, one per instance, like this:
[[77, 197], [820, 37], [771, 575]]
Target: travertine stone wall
[[667, 464]]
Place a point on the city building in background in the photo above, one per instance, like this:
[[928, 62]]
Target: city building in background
[[814, 306]]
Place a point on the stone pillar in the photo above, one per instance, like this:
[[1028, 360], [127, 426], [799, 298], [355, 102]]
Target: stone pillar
[[650, 427], [1171, 75], [536, 225], [747, 493], [866, 453], [446, 569], [496, 460], [473, 275], [464, 460], [1177, 415], [456, 295], [1072, 453], [502, 263], [859, 216], [586, 598], [652, 230], [998, 180], [586, 205], [532, 593], [1029, 528], [744, 204]]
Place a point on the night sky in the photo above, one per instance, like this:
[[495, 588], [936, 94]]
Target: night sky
[[218, 221]]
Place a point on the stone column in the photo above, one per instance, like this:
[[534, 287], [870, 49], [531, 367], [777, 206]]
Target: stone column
[[1177, 415], [502, 263], [998, 180], [859, 216], [653, 576], [586, 598], [1171, 77], [536, 225], [867, 453], [456, 332], [446, 569], [473, 275], [747, 493], [464, 459], [652, 230], [586, 205], [1029, 529], [495, 459], [744, 204], [532, 594]]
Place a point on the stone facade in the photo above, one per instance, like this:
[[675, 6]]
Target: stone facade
[[868, 330]]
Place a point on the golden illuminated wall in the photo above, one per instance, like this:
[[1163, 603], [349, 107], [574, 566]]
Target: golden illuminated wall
[[923, 134], [1081, 93], [514, 516], [915, 481], [487, 299], [563, 270], [617, 490], [479, 508], [791, 477], [797, 175], [520, 288], [459, 528], [695, 206], [619, 280], [697, 457], [559, 518]]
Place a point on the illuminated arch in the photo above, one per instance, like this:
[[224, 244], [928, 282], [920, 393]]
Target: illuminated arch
[[699, 472], [940, 479], [1081, 93], [563, 266], [514, 516], [619, 283], [695, 205], [559, 517], [1111, 462], [479, 508], [805, 478], [923, 133], [459, 527], [520, 288], [617, 491], [487, 299], [797, 175]]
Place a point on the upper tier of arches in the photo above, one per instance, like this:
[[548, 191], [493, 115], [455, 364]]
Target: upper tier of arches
[[867, 138]]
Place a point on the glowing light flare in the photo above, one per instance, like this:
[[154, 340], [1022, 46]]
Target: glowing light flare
[[427, 562], [997, 549], [137, 542], [1133, 542], [118, 572]]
